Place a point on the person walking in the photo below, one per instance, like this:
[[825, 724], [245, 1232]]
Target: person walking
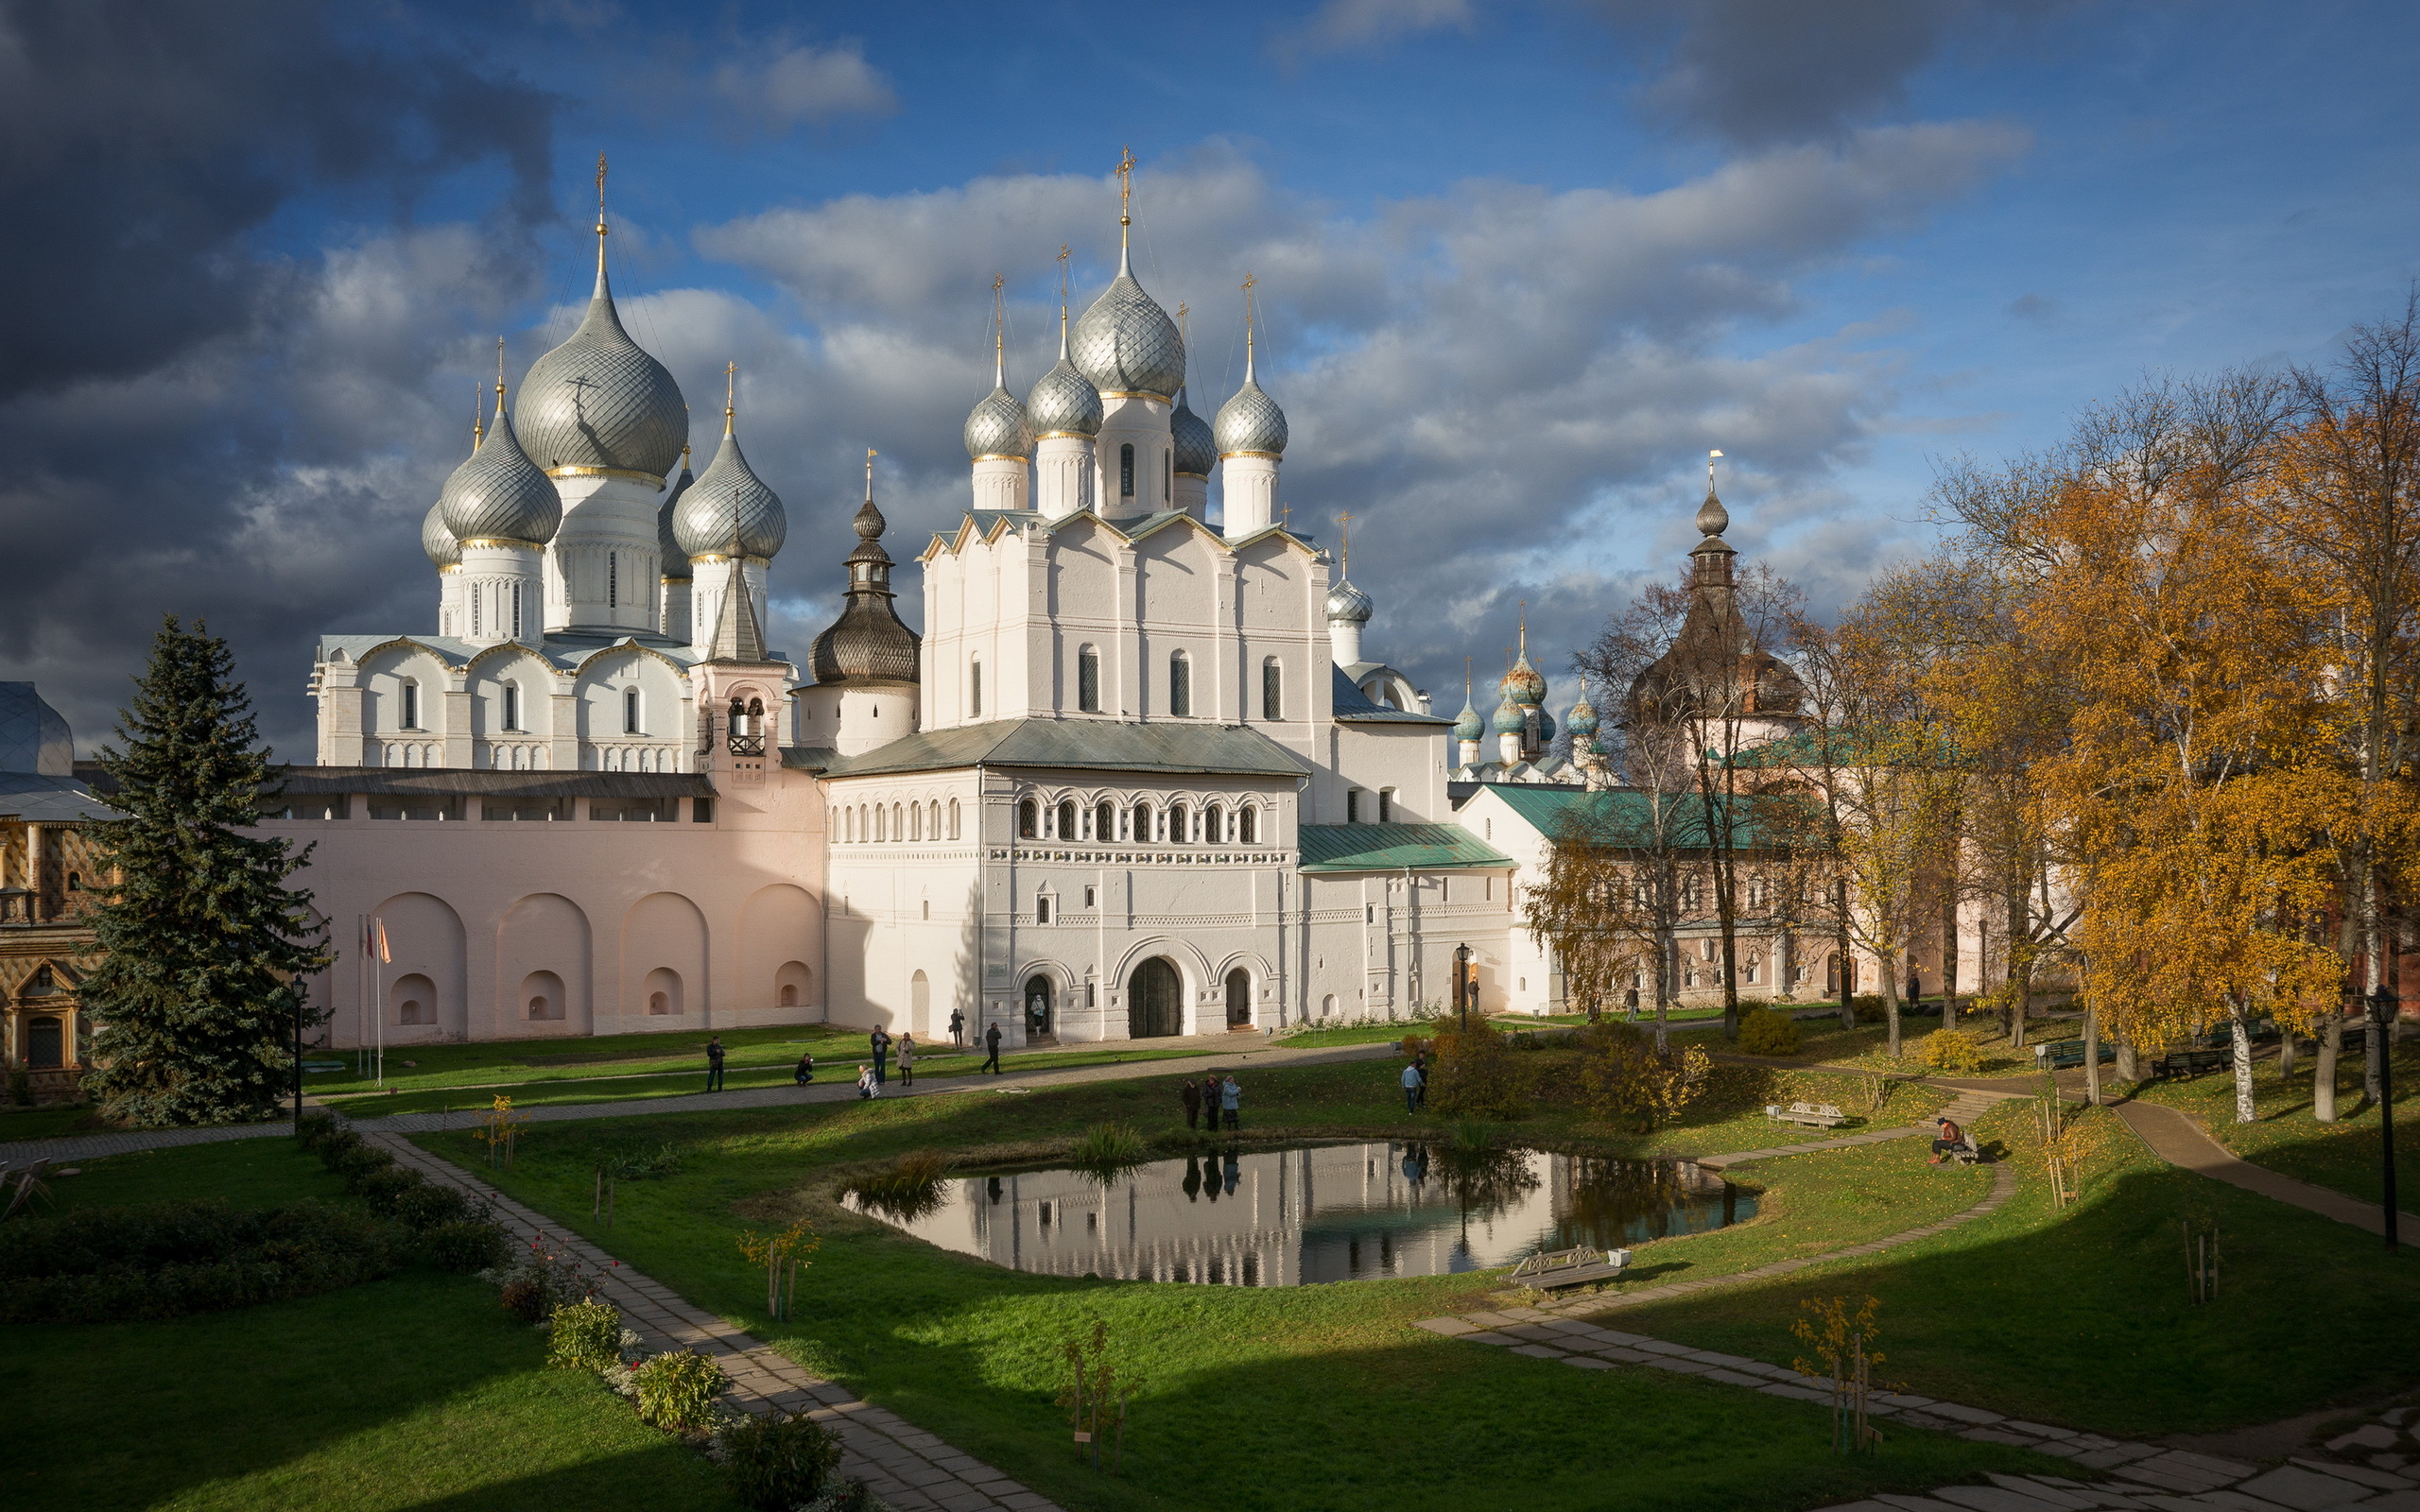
[[991, 1040], [1230, 1102], [957, 1028], [1420, 1063], [906, 1061], [1915, 992], [1191, 1093], [1630, 1004], [1410, 1089], [714, 1064], [880, 1042], [804, 1072], [867, 1085]]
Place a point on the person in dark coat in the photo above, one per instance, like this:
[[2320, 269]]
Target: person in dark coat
[[1192, 1094], [1420, 1063], [805, 1070], [991, 1040], [879, 1041], [1630, 1004], [957, 1028], [714, 1064]]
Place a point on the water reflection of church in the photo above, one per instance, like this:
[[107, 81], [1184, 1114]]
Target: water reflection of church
[[1334, 1212]]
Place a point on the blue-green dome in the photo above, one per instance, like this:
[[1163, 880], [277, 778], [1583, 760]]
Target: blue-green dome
[[1581, 720], [1468, 725], [1508, 720]]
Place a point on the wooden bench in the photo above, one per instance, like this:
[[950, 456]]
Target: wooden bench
[[2058, 1055], [1816, 1115], [2183, 1065], [1571, 1267], [1966, 1151]]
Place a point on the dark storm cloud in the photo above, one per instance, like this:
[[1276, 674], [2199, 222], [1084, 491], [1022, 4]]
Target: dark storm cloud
[[197, 422], [1755, 72]]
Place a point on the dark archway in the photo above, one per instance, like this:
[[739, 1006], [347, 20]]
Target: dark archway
[[1238, 999], [1154, 1000], [1039, 1021]]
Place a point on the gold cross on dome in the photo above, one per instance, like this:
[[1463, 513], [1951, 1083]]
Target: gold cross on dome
[[1125, 183]]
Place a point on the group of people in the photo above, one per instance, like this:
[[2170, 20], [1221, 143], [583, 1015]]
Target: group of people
[[1415, 1083], [1213, 1097], [875, 1075]]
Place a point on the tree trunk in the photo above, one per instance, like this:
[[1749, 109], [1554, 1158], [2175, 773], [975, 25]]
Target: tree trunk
[[2017, 977], [2092, 1055], [2323, 1082], [2129, 1070], [2286, 1055], [2240, 1025], [1889, 969], [1840, 944]]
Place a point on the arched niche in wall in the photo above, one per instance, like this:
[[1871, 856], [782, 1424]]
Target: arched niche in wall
[[545, 932], [779, 926], [664, 932], [425, 938]]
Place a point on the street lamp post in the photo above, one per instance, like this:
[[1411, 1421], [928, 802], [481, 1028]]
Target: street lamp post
[[2383, 1007], [1462, 984]]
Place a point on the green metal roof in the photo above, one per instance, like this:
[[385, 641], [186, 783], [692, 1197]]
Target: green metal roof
[[1084, 744], [1392, 847], [1619, 815]]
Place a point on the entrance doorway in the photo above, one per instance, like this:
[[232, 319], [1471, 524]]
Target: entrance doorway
[[1038, 1021], [1238, 999], [1153, 1009]]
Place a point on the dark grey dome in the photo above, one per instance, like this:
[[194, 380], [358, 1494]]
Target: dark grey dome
[[1196, 448], [676, 561], [866, 643], [1064, 403], [1127, 344], [444, 550], [599, 401], [500, 494], [999, 427], [1251, 422], [1713, 519], [729, 497]]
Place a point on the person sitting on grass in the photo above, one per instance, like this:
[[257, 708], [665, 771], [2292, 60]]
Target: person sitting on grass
[[867, 1085], [804, 1072], [1950, 1138]]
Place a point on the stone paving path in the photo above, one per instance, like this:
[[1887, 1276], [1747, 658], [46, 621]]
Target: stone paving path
[[2174, 1137], [1255, 1053], [911, 1470]]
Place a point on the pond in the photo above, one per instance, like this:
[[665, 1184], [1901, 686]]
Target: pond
[[1330, 1212]]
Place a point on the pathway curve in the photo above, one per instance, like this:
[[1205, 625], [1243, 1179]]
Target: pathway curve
[[1263, 1053], [911, 1470], [2177, 1138]]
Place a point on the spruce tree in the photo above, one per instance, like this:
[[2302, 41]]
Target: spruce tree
[[204, 946]]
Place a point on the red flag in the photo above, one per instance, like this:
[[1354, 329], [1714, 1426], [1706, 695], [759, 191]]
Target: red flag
[[378, 930]]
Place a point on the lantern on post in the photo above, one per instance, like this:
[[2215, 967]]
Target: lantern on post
[[1462, 984], [2385, 1005]]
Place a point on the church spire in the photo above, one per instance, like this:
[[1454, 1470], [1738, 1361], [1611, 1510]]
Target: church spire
[[1125, 208]]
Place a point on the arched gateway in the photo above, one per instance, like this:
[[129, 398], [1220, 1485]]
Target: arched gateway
[[1154, 1006]]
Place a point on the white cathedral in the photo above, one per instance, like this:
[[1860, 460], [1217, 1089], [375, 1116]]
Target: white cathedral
[[1136, 778]]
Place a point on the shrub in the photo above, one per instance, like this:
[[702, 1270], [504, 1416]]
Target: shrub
[[109, 1264], [585, 1336], [357, 1159], [381, 1189], [1412, 1045], [1474, 1074], [1625, 1078], [1110, 1146], [1469, 1135], [430, 1205], [779, 1460], [1953, 1050], [524, 1299], [848, 1495], [1868, 1007], [332, 1145], [677, 1390], [907, 1187], [1764, 1031], [315, 1129], [640, 1164], [542, 1280], [465, 1248]]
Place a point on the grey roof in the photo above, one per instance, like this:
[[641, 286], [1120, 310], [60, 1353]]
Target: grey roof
[[600, 401], [730, 503], [1080, 745], [34, 737], [1127, 344], [42, 798], [997, 427], [564, 649], [1354, 705], [1196, 449], [1063, 402], [438, 542], [675, 561], [1251, 421], [309, 780], [737, 638], [869, 643], [499, 494]]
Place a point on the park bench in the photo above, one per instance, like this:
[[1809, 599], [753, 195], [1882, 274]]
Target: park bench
[[2182, 1065], [2058, 1055], [1966, 1151], [1571, 1267], [1817, 1115]]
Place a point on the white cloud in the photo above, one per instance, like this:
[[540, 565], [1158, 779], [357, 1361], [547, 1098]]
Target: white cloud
[[795, 84]]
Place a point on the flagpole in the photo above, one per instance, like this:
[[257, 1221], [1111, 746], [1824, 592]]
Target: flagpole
[[361, 1002]]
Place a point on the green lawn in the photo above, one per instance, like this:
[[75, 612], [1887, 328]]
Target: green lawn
[[2342, 1156], [51, 1122], [1319, 1396], [413, 1392], [2082, 1317]]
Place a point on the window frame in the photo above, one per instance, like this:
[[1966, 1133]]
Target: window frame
[[1088, 680], [1180, 686]]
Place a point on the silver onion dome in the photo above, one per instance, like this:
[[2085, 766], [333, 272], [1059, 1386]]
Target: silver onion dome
[[1348, 603], [999, 427], [729, 501], [1126, 344], [1713, 519], [599, 402], [500, 494], [444, 550], [1251, 423], [1064, 403], [1196, 449], [667, 546]]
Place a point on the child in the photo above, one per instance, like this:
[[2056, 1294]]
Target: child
[[867, 1085]]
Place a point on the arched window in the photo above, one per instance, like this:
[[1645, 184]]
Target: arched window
[[1029, 819], [975, 688], [1180, 686], [1104, 824], [1142, 835], [1213, 825], [1248, 825], [848, 826], [630, 711], [865, 823], [1088, 680], [1176, 824], [953, 819], [898, 823], [1125, 470], [516, 608], [881, 829], [1066, 820], [1272, 689], [613, 579], [1168, 477], [411, 704], [1041, 909], [512, 706], [915, 821], [933, 819]]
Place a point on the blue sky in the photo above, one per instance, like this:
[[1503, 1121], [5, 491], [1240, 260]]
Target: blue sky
[[1523, 264]]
